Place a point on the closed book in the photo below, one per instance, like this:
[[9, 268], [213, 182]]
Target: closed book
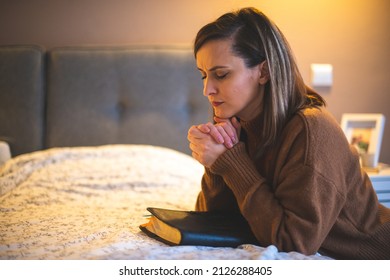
[[217, 229]]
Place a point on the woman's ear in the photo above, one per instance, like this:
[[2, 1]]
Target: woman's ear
[[264, 72]]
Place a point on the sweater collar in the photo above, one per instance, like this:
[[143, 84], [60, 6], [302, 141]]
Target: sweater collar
[[252, 126]]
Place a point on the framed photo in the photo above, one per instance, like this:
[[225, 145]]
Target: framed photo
[[365, 132]]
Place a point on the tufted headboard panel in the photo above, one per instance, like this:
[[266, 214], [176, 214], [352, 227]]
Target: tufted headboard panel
[[121, 95], [22, 97]]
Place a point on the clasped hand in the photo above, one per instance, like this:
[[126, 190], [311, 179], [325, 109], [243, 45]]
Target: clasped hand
[[208, 141]]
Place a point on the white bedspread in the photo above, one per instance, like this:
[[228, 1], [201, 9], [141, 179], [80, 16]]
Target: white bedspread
[[87, 203]]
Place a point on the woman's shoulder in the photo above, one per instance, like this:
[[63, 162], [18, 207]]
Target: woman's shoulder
[[309, 123], [318, 120], [324, 136], [316, 131]]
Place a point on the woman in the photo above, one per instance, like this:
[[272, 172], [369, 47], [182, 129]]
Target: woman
[[274, 153]]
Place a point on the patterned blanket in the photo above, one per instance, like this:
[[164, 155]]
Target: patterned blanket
[[87, 203]]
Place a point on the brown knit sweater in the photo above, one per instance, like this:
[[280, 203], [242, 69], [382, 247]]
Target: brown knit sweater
[[307, 193]]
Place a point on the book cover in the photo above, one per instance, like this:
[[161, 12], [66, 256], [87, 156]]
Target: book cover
[[176, 227]]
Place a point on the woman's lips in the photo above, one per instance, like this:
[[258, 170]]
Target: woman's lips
[[216, 104]]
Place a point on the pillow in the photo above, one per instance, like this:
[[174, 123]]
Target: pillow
[[5, 152]]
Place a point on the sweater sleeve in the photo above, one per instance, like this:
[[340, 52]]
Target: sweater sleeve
[[297, 212], [215, 194]]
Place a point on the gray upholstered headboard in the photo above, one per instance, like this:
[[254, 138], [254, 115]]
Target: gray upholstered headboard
[[87, 96], [22, 97]]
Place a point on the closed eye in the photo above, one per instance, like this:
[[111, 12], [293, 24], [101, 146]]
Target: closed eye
[[221, 76]]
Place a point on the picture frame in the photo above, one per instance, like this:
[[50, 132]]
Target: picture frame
[[365, 132]]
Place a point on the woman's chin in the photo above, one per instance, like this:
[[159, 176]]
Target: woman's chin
[[223, 115]]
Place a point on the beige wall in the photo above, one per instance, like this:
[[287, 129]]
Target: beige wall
[[352, 35]]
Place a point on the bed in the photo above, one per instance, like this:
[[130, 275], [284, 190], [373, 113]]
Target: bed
[[87, 203]]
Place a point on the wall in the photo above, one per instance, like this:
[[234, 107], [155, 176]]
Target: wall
[[352, 35]]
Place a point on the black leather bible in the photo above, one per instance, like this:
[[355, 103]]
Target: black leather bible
[[175, 227]]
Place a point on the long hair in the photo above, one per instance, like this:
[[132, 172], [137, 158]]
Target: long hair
[[255, 38]]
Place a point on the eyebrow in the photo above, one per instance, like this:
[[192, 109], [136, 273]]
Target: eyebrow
[[214, 68]]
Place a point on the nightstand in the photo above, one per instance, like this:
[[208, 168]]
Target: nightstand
[[381, 182]]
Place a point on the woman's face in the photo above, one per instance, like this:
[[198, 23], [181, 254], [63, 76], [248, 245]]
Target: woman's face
[[232, 88]]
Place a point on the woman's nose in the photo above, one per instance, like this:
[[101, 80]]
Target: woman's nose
[[208, 87]]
